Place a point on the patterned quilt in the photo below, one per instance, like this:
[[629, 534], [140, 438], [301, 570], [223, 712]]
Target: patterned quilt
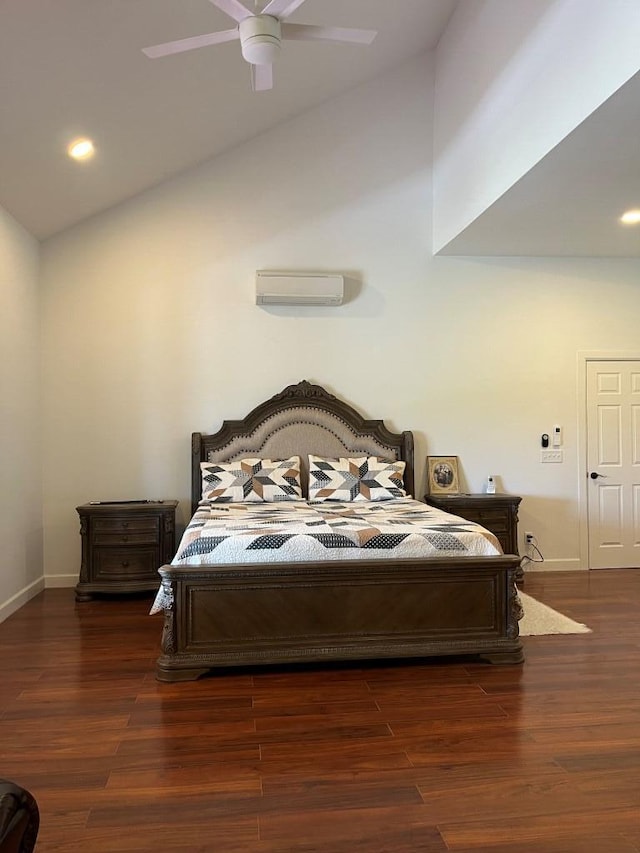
[[298, 531]]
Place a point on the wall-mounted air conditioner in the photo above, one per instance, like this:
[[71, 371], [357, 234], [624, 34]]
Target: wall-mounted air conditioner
[[296, 288]]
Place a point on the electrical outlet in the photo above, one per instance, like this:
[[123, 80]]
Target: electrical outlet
[[529, 537], [552, 455]]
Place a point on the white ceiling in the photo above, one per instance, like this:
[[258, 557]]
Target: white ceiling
[[70, 68], [74, 67], [570, 202]]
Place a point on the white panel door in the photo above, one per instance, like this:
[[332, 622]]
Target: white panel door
[[613, 462]]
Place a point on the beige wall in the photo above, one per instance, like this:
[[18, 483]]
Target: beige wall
[[150, 330], [20, 454]]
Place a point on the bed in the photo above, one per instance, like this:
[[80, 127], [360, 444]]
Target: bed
[[359, 590]]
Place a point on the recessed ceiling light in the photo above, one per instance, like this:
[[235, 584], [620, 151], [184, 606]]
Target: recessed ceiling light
[[631, 217], [81, 149]]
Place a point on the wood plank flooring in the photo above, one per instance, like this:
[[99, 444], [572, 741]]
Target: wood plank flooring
[[419, 757]]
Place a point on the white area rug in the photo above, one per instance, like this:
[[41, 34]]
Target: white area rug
[[540, 619]]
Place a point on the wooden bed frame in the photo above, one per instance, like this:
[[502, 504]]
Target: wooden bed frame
[[226, 615]]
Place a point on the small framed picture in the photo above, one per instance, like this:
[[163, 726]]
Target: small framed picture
[[442, 475]]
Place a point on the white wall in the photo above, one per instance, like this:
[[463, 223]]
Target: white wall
[[512, 81], [151, 331], [20, 455]]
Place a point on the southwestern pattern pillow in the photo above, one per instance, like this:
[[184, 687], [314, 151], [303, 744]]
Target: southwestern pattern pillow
[[251, 480], [364, 479]]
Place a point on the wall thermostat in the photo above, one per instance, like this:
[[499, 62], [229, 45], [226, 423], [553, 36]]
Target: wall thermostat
[[544, 441]]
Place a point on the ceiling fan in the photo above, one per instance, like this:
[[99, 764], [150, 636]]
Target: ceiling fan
[[261, 35]]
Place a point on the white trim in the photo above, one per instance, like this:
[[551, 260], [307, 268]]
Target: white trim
[[585, 356], [60, 581], [20, 598], [572, 564]]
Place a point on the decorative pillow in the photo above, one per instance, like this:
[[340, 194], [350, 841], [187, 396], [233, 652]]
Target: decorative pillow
[[365, 479], [251, 480]]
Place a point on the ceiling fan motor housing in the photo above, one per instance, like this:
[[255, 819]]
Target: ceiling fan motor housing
[[260, 39]]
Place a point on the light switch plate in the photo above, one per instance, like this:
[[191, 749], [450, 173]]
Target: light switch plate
[[552, 455]]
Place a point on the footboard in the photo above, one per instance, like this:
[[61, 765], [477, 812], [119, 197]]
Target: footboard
[[336, 611]]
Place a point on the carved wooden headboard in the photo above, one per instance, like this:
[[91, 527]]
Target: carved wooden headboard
[[302, 419]]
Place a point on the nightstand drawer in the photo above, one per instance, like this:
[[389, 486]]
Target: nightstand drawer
[[133, 538], [494, 521], [496, 518], [123, 564], [124, 525], [497, 514]]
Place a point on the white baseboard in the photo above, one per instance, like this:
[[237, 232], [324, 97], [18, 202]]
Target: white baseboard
[[20, 598], [572, 565], [60, 581]]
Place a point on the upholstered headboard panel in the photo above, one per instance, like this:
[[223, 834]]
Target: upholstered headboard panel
[[302, 419]]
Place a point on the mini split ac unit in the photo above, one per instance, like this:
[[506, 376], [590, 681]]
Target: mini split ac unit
[[280, 288]]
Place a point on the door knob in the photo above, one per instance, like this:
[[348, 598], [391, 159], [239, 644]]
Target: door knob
[[594, 475]]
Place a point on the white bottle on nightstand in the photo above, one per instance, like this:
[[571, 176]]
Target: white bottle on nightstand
[[491, 486]]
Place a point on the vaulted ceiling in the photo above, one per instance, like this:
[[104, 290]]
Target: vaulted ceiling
[[569, 203], [72, 68]]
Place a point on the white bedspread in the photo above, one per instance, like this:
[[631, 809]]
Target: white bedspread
[[299, 531]]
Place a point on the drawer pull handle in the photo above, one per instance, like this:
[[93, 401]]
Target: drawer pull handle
[[125, 563], [125, 538], [125, 523]]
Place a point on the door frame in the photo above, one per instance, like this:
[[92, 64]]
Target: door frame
[[584, 357]]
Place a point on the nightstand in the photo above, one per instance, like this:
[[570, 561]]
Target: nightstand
[[123, 545], [498, 513]]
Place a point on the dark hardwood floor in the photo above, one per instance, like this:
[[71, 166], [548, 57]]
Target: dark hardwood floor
[[396, 758]]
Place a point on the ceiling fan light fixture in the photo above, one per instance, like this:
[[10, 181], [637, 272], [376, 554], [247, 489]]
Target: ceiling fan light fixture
[[260, 35], [260, 39]]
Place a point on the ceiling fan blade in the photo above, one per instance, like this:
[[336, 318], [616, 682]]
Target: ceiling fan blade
[[281, 8], [233, 8], [261, 77], [191, 43], [311, 32]]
